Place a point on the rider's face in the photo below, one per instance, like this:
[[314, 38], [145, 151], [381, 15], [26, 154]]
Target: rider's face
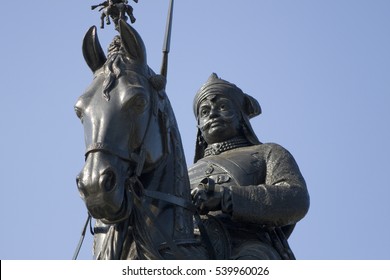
[[219, 119]]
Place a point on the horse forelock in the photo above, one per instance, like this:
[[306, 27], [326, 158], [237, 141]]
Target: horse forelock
[[119, 64], [112, 69]]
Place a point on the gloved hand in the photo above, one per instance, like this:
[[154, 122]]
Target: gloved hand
[[207, 197]]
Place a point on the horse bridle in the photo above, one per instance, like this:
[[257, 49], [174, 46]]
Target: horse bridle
[[138, 159]]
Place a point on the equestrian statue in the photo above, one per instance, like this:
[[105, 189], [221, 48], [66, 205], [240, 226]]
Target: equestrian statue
[[240, 200]]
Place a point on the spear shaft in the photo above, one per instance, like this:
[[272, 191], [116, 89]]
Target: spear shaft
[[167, 41]]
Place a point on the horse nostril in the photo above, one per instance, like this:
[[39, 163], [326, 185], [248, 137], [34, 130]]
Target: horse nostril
[[107, 180], [81, 186]]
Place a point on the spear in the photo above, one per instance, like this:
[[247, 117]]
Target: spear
[[167, 41]]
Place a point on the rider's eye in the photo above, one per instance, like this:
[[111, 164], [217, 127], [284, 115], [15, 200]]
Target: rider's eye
[[204, 112]]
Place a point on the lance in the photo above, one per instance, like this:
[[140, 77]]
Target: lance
[[167, 40]]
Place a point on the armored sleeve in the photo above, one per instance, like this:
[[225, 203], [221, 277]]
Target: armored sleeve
[[281, 197]]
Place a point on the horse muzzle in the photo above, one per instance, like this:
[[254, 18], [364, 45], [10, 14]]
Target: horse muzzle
[[102, 186], [108, 213]]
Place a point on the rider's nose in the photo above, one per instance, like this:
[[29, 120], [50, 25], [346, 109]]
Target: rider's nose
[[213, 113], [107, 180]]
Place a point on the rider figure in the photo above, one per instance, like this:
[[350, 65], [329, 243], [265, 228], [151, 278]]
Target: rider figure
[[255, 190], [122, 8]]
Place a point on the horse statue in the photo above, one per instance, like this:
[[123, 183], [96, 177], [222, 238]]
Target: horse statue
[[134, 181]]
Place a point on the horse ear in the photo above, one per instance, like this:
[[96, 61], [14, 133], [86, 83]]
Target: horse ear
[[132, 42], [92, 50]]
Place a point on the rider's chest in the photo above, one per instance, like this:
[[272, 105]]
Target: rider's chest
[[243, 166]]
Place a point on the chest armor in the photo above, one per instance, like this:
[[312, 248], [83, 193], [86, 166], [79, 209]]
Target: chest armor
[[241, 166]]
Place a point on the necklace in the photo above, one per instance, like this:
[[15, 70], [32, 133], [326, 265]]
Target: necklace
[[217, 148]]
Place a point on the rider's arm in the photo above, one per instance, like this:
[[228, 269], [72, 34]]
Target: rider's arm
[[283, 198]]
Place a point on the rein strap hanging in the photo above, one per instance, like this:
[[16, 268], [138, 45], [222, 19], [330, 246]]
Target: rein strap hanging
[[77, 251]]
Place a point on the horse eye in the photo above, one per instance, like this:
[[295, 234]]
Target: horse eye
[[137, 104], [140, 102]]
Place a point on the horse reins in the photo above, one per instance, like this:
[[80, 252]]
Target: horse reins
[[77, 251], [139, 160]]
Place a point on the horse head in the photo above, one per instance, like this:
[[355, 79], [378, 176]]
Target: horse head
[[118, 114]]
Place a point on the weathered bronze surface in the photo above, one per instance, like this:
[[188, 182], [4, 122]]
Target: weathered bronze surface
[[254, 190], [135, 182]]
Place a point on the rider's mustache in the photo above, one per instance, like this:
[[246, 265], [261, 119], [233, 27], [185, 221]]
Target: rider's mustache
[[207, 125]]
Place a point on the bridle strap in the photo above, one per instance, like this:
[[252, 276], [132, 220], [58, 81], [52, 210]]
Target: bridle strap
[[172, 199], [137, 158], [175, 200], [104, 147], [77, 251], [144, 210]]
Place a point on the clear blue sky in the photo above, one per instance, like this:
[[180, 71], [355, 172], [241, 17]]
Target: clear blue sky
[[320, 70]]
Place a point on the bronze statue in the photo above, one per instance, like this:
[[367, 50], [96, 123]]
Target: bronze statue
[[116, 9], [135, 182], [255, 190]]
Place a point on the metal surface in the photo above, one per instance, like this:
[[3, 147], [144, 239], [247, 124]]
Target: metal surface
[[256, 190], [135, 182], [167, 41]]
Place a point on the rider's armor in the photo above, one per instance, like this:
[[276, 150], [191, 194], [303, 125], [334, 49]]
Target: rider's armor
[[257, 179]]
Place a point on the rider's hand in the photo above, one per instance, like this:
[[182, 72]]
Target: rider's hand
[[206, 200]]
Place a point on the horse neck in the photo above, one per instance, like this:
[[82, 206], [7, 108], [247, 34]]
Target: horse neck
[[170, 174], [164, 141]]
